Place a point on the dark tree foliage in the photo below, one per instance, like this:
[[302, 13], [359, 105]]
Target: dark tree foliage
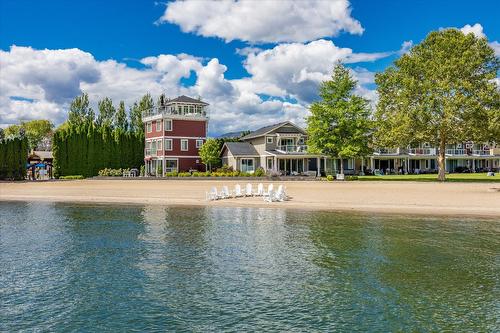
[[13, 157]]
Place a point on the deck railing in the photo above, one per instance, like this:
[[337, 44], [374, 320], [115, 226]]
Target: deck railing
[[387, 151], [150, 152], [170, 110], [302, 149], [422, 151], [456, 152], [481, 152]]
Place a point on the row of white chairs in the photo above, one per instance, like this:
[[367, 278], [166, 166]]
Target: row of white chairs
[[269, 195]]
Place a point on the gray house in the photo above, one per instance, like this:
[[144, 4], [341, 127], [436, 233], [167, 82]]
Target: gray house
[[280, 148]]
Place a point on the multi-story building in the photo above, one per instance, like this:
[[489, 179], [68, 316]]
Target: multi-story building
[[174, 132], [423, 158], [280, 148]]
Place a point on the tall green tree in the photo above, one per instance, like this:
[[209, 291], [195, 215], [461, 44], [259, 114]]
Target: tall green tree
[[80, 110], [106, 112], [121, 117], [339, 125], [35, 131], [209, 153], [442, 92]]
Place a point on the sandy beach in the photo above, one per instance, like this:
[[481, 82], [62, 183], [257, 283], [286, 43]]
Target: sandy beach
[[458, 199]]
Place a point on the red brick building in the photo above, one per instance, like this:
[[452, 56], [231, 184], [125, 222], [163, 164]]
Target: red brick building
[[174, 132]]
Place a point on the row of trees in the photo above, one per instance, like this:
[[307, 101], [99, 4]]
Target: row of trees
[[34, 130], [442, 91], [87, 142], [13, 157]]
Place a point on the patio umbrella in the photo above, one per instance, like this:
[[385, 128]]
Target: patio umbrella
[[40, 165]]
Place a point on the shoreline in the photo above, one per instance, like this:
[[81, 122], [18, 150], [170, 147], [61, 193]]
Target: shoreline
[[391, 197]]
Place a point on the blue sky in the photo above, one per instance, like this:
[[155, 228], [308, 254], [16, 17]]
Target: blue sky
[[124, 49]]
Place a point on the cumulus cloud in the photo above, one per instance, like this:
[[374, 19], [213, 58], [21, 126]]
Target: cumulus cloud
[[283, 80], [476, 29], [295, 70], [266, 21]]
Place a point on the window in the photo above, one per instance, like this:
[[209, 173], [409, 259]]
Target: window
[[158, 145], [148, 127], [269, 139], [269, 164], [191, 109], [184, 145], [247, 165], [199, 143], [301, 141], [168, 124], [158, 125], [185, 109], [168, 144]]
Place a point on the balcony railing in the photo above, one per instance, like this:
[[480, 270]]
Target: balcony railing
[[422, 151], [481, 152], [170, 110], [456, 152], [298, 149], [150, 152], [387, 151]]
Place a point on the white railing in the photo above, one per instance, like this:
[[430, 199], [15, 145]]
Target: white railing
[[386, 151], [170, 110], [459, 152], [293, 149], [422, 151], [481, 152], [150, 152]]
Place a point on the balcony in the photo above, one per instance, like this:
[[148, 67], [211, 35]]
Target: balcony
[[292, 149], [422, 151], [159, 111], [456, 152], [481, 152], [150, 152], [387, 151]]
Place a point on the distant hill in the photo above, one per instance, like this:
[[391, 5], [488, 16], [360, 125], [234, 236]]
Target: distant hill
[[232, 134]]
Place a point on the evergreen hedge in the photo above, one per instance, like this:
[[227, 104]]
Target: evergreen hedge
[[13, 158], [88, 148]]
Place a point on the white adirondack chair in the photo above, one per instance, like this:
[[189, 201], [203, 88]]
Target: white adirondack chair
[[248, 190], [270, 196], [260, 190], [280, 194], [237, 191], [224, 193], [212, 195], [270, 188]]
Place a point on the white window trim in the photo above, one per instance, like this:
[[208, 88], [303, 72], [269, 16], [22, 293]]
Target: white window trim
[[271, 138], [171, 125], [171, 144], [149, 127], [253, 164], [158, 125], [159, 144], [187, 144], [199, 143]]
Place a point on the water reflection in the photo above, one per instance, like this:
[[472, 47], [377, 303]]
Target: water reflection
[[152, 268]]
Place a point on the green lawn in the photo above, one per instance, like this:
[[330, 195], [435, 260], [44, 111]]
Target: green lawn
[[452, 177]]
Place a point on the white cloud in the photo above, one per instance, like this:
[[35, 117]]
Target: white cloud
[[496, 46], [295, 70], [264, 21], [476, 29], [283, 80]]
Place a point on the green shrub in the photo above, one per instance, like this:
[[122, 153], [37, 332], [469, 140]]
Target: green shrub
[[351, 178], [330, 178], [143, 170], [112, 172], [259, 172], [72, 177]]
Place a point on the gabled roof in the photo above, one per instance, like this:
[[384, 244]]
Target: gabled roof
[[267, 129], [186, 99], [240, 149]]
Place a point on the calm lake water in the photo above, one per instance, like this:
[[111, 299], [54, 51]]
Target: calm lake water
[[93, 268]]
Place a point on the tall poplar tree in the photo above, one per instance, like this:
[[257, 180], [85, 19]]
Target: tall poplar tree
[[121, 117]]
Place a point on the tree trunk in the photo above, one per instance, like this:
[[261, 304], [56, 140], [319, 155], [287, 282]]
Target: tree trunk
[[341, 166], [441, 160]]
